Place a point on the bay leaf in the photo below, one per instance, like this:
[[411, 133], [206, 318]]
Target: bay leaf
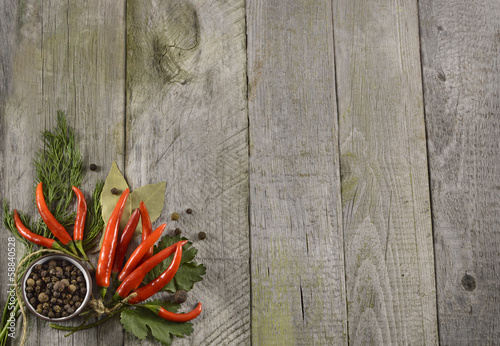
[[115, 180], [153, 195]]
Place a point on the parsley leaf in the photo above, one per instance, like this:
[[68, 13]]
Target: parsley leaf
[[142, 321], [189, 272]]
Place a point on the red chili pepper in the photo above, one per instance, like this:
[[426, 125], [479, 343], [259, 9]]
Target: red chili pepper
[[133, 281], [127, 234], [139, 252], [32, 237], [172, 316], [147, 228], [81, 214], [54, 226], [161, 281], [107, 253]]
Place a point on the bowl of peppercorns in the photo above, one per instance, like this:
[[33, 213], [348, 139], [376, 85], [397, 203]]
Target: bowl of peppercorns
[[56, 287]]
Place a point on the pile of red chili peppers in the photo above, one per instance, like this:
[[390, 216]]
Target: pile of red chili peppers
[[112, 254]]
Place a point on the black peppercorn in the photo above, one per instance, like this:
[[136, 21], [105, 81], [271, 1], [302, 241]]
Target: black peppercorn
[[189, 211], [177, 231], [180, 296], [93, 167], [114, 191], [202, 235]]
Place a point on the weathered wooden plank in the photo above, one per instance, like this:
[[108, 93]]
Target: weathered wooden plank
[[187, 125], [461, 63], [385, 194], [69, 56], [295, 213]]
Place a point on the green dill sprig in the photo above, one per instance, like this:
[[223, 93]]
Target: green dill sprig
[[59, 166], [94, 224]]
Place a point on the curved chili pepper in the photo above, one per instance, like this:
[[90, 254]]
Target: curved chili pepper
[[108, 248], [139, 252], [81, 214], [133, 281], [33, 237], [54, 226], [172, 316], [147, 228], [161, 281], [125, 238]]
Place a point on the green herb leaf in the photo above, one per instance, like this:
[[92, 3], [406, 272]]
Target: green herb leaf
[[189, 272], [142, 321]]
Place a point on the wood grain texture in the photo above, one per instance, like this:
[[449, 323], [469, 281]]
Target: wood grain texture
[[385, 194], [68, 56], [298, 295], [460, 48], [187, 125]]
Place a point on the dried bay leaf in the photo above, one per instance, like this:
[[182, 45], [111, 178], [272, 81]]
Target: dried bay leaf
[[153, 195], [114, 180]]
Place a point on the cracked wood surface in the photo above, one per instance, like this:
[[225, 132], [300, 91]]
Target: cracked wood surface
[[296, 132]]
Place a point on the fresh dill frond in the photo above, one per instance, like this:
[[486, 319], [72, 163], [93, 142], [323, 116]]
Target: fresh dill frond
[[95, 223], [59, 166], [9, 223]]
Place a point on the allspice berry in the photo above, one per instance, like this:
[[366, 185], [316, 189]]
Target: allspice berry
[[189, 211], [180, 296], [59, 286], [202, 235], [175, 216], [42, 297]]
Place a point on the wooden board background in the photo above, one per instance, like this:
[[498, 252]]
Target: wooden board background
[[342, 156]]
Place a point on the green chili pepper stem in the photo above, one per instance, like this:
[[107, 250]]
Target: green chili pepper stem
[[88, 326]]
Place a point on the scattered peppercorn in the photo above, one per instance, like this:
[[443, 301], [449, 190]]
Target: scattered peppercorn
[[177, 231], [114, 191], [180, 296], [175, 216], [202, 235], [189, 211], [93, 167]]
